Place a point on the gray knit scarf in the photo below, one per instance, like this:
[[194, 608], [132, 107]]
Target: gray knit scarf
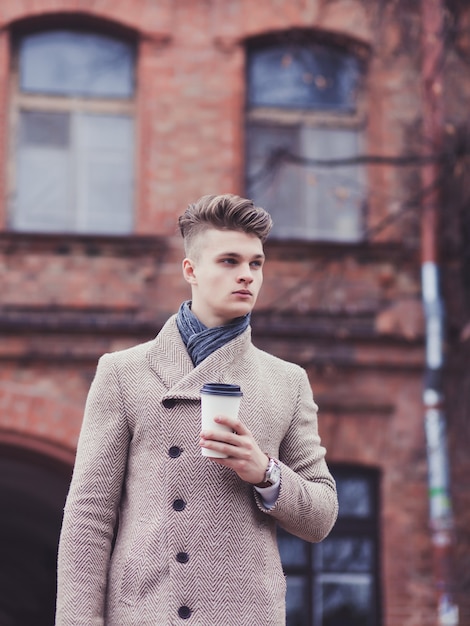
[[201, 341]]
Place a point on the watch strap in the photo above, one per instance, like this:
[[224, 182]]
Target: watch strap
[[272, 474]]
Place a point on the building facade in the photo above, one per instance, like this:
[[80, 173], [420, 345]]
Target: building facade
[[115, 115]]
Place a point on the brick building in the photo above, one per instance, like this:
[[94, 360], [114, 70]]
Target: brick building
[[113, 116]]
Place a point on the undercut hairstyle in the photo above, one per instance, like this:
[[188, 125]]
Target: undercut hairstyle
[[224, 212]]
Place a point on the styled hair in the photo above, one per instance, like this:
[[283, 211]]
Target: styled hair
[[224, 212]]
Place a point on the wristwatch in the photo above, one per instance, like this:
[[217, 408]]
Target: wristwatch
[[272, 475]]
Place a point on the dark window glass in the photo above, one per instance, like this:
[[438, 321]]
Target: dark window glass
[[344, 603], [293, 551], [345, 554], [297, 598], [76, 64], [356, 497], [302, 76], [335, 582]]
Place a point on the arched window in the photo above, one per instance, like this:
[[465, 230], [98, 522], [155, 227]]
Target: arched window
[[72, 133], [302, 106], [336, 582]]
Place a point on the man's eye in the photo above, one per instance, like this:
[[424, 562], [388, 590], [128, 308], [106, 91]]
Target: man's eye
[[256, 264], [229, 261]]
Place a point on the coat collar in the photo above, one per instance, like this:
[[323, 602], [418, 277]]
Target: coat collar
[[170, 360]]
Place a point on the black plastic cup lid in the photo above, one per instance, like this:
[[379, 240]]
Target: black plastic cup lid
[[221, 389]]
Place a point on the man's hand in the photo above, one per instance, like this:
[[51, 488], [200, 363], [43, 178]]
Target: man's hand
[[244, 455]]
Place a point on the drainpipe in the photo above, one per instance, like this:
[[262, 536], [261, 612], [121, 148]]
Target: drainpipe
[[440, 509]]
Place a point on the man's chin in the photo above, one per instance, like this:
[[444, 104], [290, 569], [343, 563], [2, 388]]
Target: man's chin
[[235, 312], [242, 311]]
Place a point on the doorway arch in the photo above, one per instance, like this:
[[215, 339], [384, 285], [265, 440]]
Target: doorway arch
[[33, 488]]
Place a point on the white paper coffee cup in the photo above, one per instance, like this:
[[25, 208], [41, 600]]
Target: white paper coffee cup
[[218, 399]]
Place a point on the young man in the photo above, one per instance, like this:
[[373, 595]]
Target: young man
[[156, 534]]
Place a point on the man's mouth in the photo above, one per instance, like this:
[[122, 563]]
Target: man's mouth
[[244, 292]]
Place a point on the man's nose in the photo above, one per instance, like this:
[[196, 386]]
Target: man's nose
[[246, 275]]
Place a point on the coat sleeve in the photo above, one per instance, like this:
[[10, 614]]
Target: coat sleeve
[[92, 503], [307, 505]]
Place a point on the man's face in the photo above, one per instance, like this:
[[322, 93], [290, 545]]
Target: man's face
[[225, 275]]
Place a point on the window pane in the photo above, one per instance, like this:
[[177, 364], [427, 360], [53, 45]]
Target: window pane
[[43, 173], [271, 181], [355, 497], [104, 173], [346, 601], [306, 201], [301, 76], [39, 128], [296, 601], [349, 554], [333, 195], [293, 551], [76, 64]]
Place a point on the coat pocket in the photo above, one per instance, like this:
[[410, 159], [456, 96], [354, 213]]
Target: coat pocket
[[135, 566]]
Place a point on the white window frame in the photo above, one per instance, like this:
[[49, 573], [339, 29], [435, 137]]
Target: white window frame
[[72, 105], [323, 120]]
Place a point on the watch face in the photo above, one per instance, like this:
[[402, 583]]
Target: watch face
[[274, 473]]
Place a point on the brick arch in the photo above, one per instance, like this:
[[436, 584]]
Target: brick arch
[[320, 32], [123, 15], [337, 18], [324, 37], [96, 21], [35, 450], [41, 424]]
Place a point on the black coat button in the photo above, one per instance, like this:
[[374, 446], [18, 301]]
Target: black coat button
[[169, 403], [182, 557], [179, 505], [184, 612], [174, 452]]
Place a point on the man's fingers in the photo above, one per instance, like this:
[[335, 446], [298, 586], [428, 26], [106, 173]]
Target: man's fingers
[[235, 424], [232, 439]]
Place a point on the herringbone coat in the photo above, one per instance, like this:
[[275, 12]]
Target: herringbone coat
[[194, 544]]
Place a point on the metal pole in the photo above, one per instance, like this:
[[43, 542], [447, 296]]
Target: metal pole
[[440, 509]]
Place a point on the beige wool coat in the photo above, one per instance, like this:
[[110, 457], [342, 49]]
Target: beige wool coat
[[156, 534]]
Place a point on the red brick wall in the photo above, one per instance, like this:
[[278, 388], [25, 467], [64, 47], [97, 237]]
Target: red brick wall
[[65, 301]]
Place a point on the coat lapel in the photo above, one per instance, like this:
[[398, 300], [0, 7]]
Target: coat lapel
[[171, 362]]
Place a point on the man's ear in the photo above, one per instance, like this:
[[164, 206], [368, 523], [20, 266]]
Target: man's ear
[[188, 271]]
